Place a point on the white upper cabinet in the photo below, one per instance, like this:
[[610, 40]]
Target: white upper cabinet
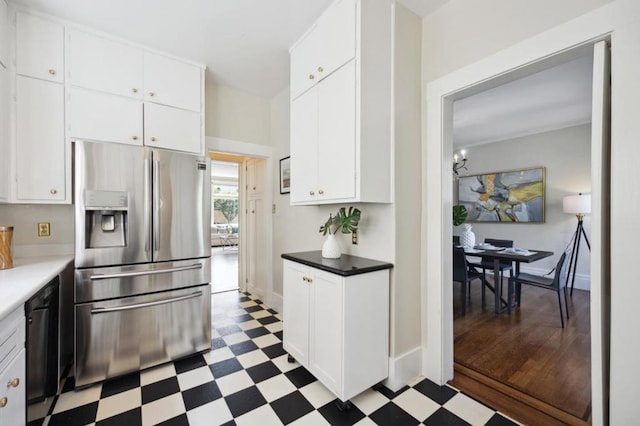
[[4, 135], [104, 117], [40, 147], [171, 128], [171, 82], [341, 106], [328, 45], [105, 65], [40, 48], [4, 34], [168, 90]]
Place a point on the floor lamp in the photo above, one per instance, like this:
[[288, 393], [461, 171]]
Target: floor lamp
[[579, 205]]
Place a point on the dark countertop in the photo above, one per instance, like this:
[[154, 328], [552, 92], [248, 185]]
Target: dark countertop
[[346, 265]]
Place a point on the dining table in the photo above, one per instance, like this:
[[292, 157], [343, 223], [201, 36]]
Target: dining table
[[501, 254]]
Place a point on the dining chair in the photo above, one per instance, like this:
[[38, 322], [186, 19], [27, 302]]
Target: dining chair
[[488, 264], [557, 283], [464, 275]]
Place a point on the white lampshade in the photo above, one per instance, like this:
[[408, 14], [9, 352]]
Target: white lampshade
[[577, 204]]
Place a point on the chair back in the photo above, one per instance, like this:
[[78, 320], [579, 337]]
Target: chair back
[[499, 243], [459, 265], [560, 277], [456, 240]]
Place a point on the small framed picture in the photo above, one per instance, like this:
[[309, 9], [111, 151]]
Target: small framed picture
[[285, 175]]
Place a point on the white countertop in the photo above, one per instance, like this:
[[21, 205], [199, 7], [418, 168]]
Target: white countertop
[[28, 275]]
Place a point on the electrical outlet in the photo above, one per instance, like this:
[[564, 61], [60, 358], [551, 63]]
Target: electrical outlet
[[44, 229], [354, 237]]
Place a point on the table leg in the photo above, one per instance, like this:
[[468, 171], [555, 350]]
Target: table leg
[[497, 285]]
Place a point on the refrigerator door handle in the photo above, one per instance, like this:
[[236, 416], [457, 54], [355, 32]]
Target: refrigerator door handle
[[156, 205], [97, 277], [147, 206], [145, 305]]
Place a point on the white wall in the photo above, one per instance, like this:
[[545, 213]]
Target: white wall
[[566, 155], [236, 115], [464, 31], [25, 217]]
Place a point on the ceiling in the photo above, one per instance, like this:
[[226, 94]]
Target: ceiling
[[552, 99], [244, 43]]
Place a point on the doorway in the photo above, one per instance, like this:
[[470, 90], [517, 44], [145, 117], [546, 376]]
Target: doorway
[[437, 264], [226, 197], [539, 122]]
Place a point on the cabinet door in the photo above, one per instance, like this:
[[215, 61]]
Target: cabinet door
[[4, 134], [4, 34], [337, 135], [39, 48], [255, 176], [326, 329], [172, 128], [171, 82], [101, 64], [104, 117], [304, 60], [13, 384], [337, 31], [40, 144], [304, 147], [295, 322]]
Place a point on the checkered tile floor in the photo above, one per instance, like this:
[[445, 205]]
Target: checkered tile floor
[[246, 380]]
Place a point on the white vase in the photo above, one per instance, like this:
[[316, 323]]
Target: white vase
[[331, 248], [467, 237]]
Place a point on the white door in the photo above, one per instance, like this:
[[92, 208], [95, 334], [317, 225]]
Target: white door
[[104, 117], [255, 248], [39, 48], [304, 147], [105, 65], [337, 135], [172, 128], [337, 31], [600, 229], [304, 60], [171, 82], [4, 34], [40, 147]]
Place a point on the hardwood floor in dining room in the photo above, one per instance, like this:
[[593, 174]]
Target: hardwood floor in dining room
[[528, 351]]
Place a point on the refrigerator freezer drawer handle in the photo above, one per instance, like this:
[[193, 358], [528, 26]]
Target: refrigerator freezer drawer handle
[[140, 273], [144, 305]]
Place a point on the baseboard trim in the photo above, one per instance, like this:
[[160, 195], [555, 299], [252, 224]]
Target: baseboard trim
[[276, 303], [403, 369]]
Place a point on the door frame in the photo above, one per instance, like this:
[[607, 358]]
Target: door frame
[[436, 262], [264, 152]]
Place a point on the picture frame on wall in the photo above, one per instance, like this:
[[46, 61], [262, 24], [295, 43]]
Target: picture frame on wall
[[514, 196], [285, 175]]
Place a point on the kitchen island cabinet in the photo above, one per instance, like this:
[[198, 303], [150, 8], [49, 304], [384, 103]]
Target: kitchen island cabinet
[[336, 319]]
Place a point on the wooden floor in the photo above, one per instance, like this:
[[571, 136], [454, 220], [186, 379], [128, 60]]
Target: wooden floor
[[527, 354], [224, 269]]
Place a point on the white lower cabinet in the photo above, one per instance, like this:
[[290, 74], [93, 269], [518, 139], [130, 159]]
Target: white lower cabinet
[[337, 326], [12, 369]]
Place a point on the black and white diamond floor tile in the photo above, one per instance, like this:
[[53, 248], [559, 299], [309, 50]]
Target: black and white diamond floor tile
[[246, 380]]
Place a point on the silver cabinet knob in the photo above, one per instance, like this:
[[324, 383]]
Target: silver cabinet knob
[[312, 193], [311, 76], [153, 139], [52, 71], [53, 191], [320, 69], [320, 191], [134, 90], [152, 94]]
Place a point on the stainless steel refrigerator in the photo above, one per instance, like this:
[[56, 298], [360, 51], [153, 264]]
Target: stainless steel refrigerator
[[142, 256]]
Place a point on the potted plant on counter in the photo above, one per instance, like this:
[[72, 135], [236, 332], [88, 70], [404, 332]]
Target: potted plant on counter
[[345, 221]]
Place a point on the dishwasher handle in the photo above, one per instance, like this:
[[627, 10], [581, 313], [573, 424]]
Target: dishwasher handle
[[144, 305], [142, 273]]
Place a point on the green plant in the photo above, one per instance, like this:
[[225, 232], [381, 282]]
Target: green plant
[[459, 214], [344, 221]]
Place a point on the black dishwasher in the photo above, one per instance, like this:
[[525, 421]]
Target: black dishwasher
[[42, 342]]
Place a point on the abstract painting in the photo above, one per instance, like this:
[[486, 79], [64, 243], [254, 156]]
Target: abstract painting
[[515, 196]]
